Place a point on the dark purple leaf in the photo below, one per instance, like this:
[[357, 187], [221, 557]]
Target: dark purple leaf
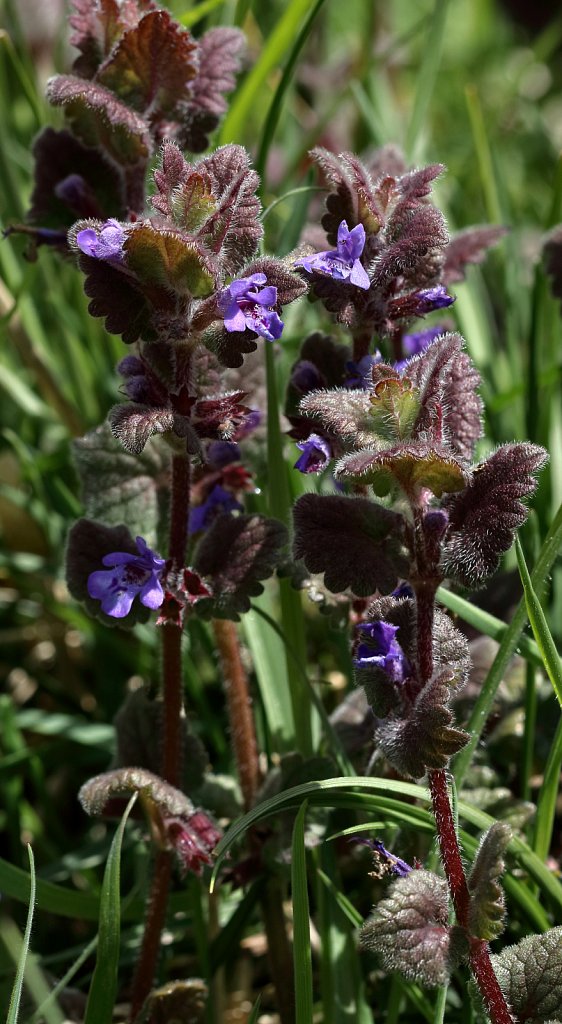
[[151, 67], [469, 246], [235, 554], [117, 297], [220, 54], [86, 546], [409, 929], [99, 118], [356, 543], [424, 739], [58, 156], [484, 516]]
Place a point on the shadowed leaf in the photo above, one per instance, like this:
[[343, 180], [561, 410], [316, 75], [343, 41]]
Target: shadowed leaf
[[470, 246], [484, 516], [235, 554], [354, 542], [487, 901], [100, 119], [409, 929]]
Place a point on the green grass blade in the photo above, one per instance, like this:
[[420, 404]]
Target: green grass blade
[[539, 625], [432, 51], [486, 623], [273, 52], [255, 1014], [302, 956], [365, 793], [15, 997], [546, 804], [103, 990], [508, 646], [42, 1010], [276, 105], [197, 13]]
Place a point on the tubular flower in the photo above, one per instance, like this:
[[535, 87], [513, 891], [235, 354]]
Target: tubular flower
[[243, 305], [343, 263], [129, 576], [379, 647], [105, 244]]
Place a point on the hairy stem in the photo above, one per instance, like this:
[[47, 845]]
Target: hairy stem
[[172, 726], [154, 922], [442, 811], [239, 702]]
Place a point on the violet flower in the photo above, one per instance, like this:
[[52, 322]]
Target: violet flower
[[129, 576], [316, 453], [343, 263], [413, 344], [378, 648], [396, 866], [218, 500], [436, 297], [243, 306], [359, 373], [105, 244]]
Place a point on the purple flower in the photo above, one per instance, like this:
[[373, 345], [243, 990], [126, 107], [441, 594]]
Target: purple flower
[[433, 298], [218, 500], [129, 576], [222, 453], [316, 453], [396, 866], [243, 306], [378, 648], [412, 344], [359, 374], [105, 244], [343, 263]]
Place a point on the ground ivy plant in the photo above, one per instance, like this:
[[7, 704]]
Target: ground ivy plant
[[169, 247]]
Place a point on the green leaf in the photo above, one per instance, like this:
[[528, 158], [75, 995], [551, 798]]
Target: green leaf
[[302, 956], [487, 905], [539, 625], [530, 976], [103, 990], [166, 259], [15, 998], [118, 487]]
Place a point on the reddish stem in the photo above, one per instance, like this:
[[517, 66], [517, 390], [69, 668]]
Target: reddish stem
[[239, 702], [154, 923], [172, 692], [448, 845], [494, 999]]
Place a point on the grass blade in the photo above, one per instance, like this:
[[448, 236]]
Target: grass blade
[[271, 56], [103, 990], [302, 956], [15, 998], [276, 105], [546, 805], [427, 75], [486, 623], [508, 646], [539, 625]]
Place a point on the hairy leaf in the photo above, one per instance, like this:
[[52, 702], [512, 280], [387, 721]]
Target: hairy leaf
[[151, 67], [100, 119], [469, 246], [450, 653], [133, 425], [119, 298], [484, 516], [354, 542], [220, 55], [530, 976], [409, 929], [450, 408], [345, 413], [425, 739], [87, 543], [235, 554], [411, 466], [118, 487], [98, 26], [60, 157], [166, 259], [487, 901]]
